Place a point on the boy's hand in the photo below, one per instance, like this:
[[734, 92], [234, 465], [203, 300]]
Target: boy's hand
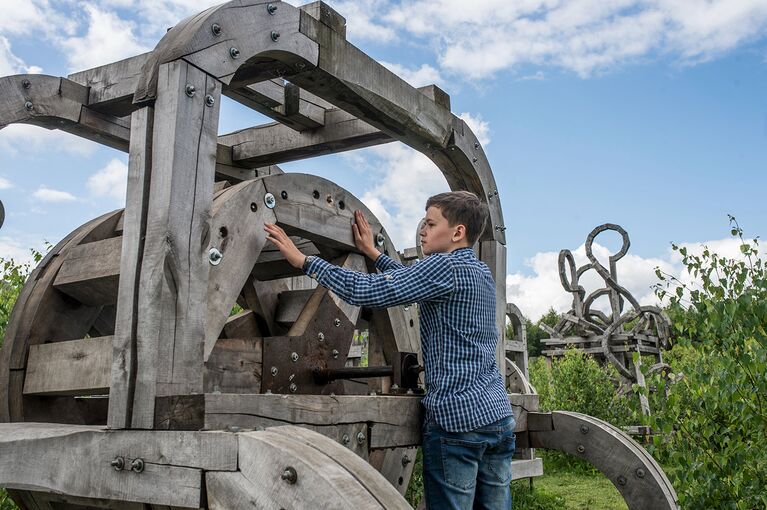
[[286, 246], [363, 236]]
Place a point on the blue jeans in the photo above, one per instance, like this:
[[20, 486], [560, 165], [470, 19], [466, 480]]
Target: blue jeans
[[468, 470]]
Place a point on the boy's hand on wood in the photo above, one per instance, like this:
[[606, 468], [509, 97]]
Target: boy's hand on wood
[[285, 244], [363, 236]]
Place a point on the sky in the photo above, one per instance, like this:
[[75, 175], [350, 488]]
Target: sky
[[650, 114]]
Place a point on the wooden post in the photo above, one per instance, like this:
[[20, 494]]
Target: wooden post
[[174, 272], [493, 254]]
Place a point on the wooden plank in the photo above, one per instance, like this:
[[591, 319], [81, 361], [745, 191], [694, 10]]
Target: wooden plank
[[174, 272], [526, 468], [78, 503], [173, 462], [242, 325], [91, 272], [397, 466], [327, 16], [290, 305], [493, 254], [124, 354], [76, 367], [111, 86], [277, 143], [234, 366]]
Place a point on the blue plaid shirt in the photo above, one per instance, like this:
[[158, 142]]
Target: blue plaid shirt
[[456, 297]]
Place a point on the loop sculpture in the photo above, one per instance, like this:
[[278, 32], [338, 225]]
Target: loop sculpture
[[162, 355], [611, 336]]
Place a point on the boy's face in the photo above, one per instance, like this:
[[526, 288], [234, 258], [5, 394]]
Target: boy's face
[[437, 236]]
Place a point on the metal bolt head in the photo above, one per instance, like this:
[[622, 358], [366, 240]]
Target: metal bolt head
[[209, 100], [474, 159], [380, 239], [581, 448], [275, 35], [271, 9], [293, 387], [270, 201], [190, 90], [476, 145], [335, 353], [253, 206], [640, 473], [28, 105], [294, 357], [406, 460], [622, 480], [361, 438], [274, 371], [284, 194], [289, 475], [118, 463], [26, 84], [215, 256], [137, 465], [345, 439], [584, 429], [234, 52], [215, 29], [321, 336], [337, 322]]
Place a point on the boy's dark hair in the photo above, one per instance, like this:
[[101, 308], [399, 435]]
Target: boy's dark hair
[[462, 208]]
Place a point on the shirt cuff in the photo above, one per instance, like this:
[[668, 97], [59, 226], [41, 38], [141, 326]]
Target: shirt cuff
[[317, 267]]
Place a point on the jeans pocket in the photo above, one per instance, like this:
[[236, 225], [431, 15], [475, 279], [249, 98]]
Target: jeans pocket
[[498, 459], [460, 461]]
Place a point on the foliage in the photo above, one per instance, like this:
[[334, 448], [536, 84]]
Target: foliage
[[714, 423], [6, 503], [534, 332], [14, 275]]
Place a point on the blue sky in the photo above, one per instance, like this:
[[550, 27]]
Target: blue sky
[[646, 113]]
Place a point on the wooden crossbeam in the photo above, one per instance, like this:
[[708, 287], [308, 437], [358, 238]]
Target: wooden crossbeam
[[91, 272], [76, 367]]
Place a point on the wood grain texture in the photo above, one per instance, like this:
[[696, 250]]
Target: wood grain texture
[[76, 367], [91, 272]]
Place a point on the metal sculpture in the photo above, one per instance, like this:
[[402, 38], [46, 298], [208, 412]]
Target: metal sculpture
[[613, 336], [162, 356]]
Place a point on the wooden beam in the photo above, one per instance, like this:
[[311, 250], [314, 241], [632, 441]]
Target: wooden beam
[[91, 272], [76, 367]]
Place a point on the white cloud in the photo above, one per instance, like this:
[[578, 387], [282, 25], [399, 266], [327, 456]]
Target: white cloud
[[45, 194], [422, 76], [478, 126], [540, 290], [10, 63], [111, 181], [12, 248], [5, 183], [108, 38], [363, 20], [29, 139]]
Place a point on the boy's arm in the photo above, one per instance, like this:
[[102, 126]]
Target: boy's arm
[[430, 279], [363, 238]]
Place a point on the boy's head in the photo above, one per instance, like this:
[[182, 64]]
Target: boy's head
[[453, 220]]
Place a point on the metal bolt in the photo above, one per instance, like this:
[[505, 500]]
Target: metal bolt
[[345, 439], [26, 84], [253, 206], [190, 90], [118, 463], [270, 201], [380, 238], [274, 371], [321, 336], [406, 460], [28, 105], [215, 28], [581, 448], [394, 387], [337, 322], [275, 35], [474, 159], [294, 357], [137, 465], [584, 429], [640, 473], [406, 308], [622, 480], [209, 100], [495, 192], [271, 9], [361, 438], [234, 52], [289, 475], [284, 194], [299, 66], [293, 387], [335, 353], [215, 256], [476, 145]]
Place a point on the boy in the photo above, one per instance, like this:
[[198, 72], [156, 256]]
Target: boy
[[469, 428]]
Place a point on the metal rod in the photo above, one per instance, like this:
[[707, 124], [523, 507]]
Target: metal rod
[[331, 374]]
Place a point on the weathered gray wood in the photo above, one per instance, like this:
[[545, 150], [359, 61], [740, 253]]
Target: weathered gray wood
[[242, 325], [397, 466], [111, 86], [124, 354], [632, 470], [174, 272], [237, 232], [91, 272], [493, 254], [81, 467], [234, 366], [323, 13], [526, 468], [277, 143], [64, 501], [51, 99], [290, 305], [76, 367]]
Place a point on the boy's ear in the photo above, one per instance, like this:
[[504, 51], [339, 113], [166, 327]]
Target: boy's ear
[[459, 233]]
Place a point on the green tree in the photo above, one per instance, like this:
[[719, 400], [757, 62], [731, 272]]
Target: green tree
[[535, 333], [13, 277], [714, 423]]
